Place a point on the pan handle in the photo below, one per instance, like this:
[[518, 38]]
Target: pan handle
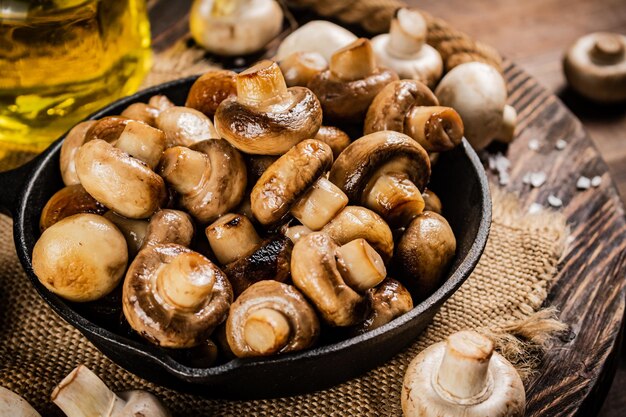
[[12, 185]]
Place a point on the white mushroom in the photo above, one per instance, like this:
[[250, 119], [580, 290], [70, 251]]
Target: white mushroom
[[462, 376], [478, 93], [595, 66], [13, 405], [235, 27], [83, 394], [404, 49], [318, 36]]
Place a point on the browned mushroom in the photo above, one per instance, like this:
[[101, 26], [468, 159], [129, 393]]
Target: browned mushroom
[[232, 237], [424, 253], [209, 177], [385, 171], [107, 129], [353, 79], [208, 91], [296, 183], [160, 102], [266, 117], [184, 126], [257, 165], [337, 139], [387, 301], [175, 297], [297, 232], [431, 201], [66, 202], [408, 106], [300, 67], [169, 226], [142, 112], [134, 231], [270, 318], [334, 277], [65, 261], [74, 140], [142, 141], [122, 183]]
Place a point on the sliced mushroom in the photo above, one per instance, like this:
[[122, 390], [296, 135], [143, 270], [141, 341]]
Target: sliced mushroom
[[169, 226], [296, 183], [64, 257], [385, 171], [12, 405], [209, 177], [208, 91], [300, 67], [431, 201], [74, 140], [324, 272], [271, 318], [350, 84], [122, 183], [388, 301], [409, 107], [235, 27], [142, 112], [337, 139], [424, 253], [184, 126], [318, 36], [175, 297], [266, 117], [66, 202], [134, 231], [232, 237], [404, 49]]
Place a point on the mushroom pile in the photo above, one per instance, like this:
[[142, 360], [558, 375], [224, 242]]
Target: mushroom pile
[[243, 222]]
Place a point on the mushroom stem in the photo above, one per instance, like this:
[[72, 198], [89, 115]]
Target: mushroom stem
[[436, 128], [262, 84], [143, 142], [295, 233], [354, 62], [266, 331], [608, 49], [464, 370], [319, 204], [360, 265], [509, 120], [232, 237], [187, 281], [184, 168], [407, 34], [300, 67], [395, 198], [13, 405], [82, 393]]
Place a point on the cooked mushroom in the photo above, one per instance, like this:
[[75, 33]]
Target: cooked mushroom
[[300, 67], [66, 202], [462, 376], [175, 297], [431, 201], [269, 261], [134, 231], [122, 183], [354, 222], [478, 93], [595, 66], [209, 177], [108, 129], [266, 117], [74, 140], [385, 171], [404, 49], [142, 112], [208, 91], [332, 277], [350, 84], [318, 36], [143, 142], [257, 165], [169, 226], [424, 253], [295, 233], [232, 237], [81, 393], [296, 183], [235, 27], [64, 261], [160, 102], [337, 139], [184, 126], [12, 405], [409, 107], [270, 318], [387, 301]]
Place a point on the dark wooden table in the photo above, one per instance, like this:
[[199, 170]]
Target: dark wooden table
[[589, 289]]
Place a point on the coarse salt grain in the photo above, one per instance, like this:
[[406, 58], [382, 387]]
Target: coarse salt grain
[[560, 144], [533, 145], [596, 181], [554, 201], [583, 183], [535, 208], [537, 179]]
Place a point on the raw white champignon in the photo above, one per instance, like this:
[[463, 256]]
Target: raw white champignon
[[318, 36], [13, 405]]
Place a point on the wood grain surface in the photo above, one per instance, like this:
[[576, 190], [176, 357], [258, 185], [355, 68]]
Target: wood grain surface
[[589, 289]]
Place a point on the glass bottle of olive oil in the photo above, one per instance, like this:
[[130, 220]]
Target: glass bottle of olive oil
[[61, 60]]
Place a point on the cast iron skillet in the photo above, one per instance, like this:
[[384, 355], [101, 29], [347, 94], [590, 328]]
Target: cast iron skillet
[[458, 178]]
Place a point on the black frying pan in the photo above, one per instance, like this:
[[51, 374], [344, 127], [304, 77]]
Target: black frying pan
[[459, 180]]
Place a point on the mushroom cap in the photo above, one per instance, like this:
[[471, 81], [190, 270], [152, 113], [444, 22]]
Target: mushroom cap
[[73, 140], [595, 66], [169, 226], [287, 179], [134, 231], [318, 36], [80, 258], [424, 253], [337, 139], [107, 129], [388, 300], [384, 150], [300, 67], [66, 202], [257, 165], [185, 126], [208, 91], [391, 106], [117, 180], [314, 272], [142, 112], [286, 299], [156, 319], [432, 201], [478, 93]]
